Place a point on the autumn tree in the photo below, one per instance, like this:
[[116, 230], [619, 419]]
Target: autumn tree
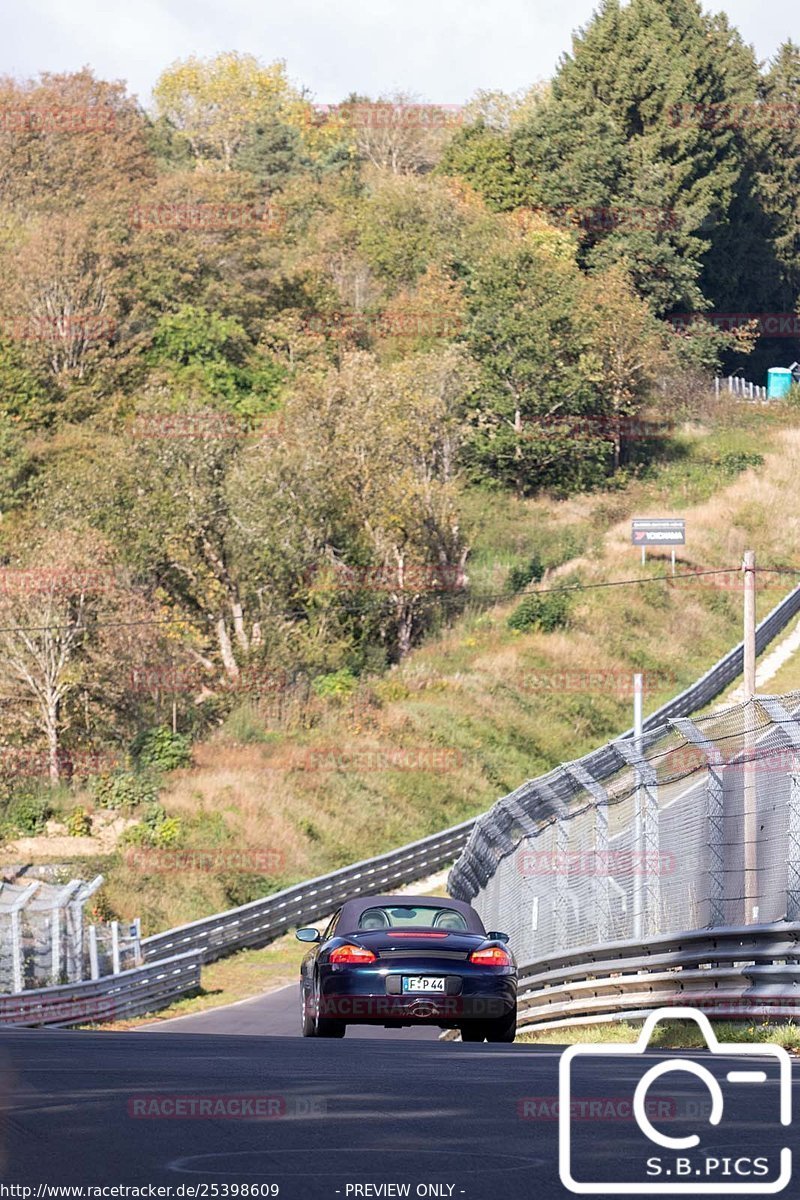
[[625, 353], [49, 597], [214, 101]]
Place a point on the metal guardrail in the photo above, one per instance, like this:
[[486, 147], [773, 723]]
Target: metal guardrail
[[128, 994], [745, 972], [261, 921]]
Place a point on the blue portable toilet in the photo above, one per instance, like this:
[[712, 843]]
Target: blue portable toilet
[[779, 380]]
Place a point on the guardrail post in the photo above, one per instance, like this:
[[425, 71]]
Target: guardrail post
[[715, 816], [647, 890], [602, 895]]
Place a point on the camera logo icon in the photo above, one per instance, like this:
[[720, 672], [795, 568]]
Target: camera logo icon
[[644, 1158]]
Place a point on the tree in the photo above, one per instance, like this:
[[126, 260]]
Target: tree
[[59, 299], [483, 157], [396, 132], [210, 354], [626, 348], [618, 139], [214, 101], [348, 518], [46, 606], [776, 131], [67, 141], [523, 331]]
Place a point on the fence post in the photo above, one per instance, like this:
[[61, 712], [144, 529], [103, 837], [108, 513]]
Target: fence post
[[790, 728], [55, 943], [18, 964], [137, 940], [79, 899], [94, 964], [793, 851], [61, 899], [602, 899], [115, 947], [648, 920], [715, 816], [562, 882]]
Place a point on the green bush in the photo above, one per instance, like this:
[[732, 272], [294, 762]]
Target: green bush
[[530, 572], [736, 461], [546, 611], [123, 789], [244, 887], [79, 823], [337, 683], [28, 814], [154, 829], [245, 725], [162, 749]]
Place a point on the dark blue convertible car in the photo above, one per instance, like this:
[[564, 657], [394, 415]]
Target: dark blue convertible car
[[408, 960]]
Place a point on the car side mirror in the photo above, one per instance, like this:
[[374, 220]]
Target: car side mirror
[[307, 934], [497, 937]]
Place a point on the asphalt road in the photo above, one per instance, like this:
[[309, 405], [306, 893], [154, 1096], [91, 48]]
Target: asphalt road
[[277, 1014], [326, 1119]]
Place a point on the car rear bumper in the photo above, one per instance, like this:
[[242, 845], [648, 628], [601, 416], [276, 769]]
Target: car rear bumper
[[369, 997]]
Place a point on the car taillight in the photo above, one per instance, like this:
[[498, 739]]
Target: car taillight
[[491, 956], [351, 954]]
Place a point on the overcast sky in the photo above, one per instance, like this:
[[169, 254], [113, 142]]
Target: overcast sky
[[442, 50]]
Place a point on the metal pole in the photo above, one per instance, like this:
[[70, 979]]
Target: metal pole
[[749, 568], [673, 560], [115, 947], [638, 857], [750, 826], [644, 555], [17, 956], [55, 936], [793, 839], [94, 965]]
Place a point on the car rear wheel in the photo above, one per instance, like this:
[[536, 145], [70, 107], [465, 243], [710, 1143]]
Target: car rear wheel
[[502, 1029], [308, 1023], [474, 1032]]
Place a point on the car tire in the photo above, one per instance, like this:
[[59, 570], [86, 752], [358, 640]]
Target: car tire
[[474, 1032], [308, 1023], [330, 1029], [502, 1029]]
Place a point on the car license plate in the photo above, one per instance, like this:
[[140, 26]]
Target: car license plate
[[423, 983]]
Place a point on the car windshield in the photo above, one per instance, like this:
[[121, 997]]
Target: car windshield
[[418, 916]]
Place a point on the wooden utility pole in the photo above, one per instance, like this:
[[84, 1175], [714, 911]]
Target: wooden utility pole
[[750, 822]]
